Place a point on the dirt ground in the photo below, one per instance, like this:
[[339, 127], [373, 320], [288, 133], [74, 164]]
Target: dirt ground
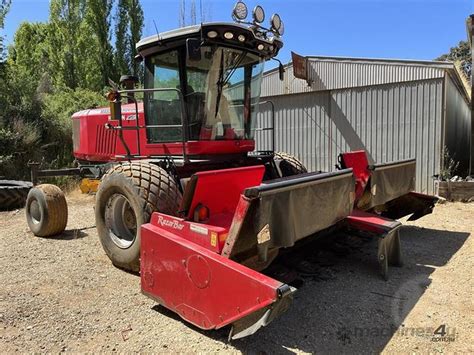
[[63, 294]]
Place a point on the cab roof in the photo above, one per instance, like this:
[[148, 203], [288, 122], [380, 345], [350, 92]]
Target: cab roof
[[272, 44]]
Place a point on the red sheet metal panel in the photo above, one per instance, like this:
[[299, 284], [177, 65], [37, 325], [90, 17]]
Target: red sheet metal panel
[[208, 236], [219, 190], [357, 160], [89, 143], [204, 288], [371, 222]]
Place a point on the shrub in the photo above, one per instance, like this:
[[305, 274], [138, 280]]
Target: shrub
[[19, 144], [42, 132], [57, 110], [449, 167]]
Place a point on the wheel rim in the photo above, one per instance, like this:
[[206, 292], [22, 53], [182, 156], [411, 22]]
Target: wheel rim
[[120, 221], [35, 212]]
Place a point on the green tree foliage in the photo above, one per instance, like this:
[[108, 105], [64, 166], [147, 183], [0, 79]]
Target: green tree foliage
[[49, 138], [66, 19], [57, 110], [27, 66], [73, 42], [19, 144], [56, 68], [20, 131], [29, 56], [122, 38], [98, 17], [136, 25], [128, 31], [4, 7], [33, 123], [462, 53]]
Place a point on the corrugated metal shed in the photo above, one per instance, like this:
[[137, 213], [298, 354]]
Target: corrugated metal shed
[[393, 109], [332, 73]]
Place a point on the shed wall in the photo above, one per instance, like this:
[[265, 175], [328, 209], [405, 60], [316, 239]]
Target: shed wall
[[392, 122], [327, 74], [458, 127]]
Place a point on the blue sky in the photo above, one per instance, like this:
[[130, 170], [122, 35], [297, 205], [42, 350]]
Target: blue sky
[[407, 29]]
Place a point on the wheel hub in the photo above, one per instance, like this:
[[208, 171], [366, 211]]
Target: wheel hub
[[121, 221], [35, 212]]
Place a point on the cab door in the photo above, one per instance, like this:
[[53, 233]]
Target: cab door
[[164, 108]]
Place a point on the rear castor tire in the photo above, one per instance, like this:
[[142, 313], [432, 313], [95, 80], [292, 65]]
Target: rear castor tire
[[288, 164], [46, 210], [13, 194], [128, 194]]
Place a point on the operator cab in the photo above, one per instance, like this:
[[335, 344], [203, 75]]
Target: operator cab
[[202, 83]]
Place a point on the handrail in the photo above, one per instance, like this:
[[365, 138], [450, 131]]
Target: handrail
[[272, 128], [120, 128]]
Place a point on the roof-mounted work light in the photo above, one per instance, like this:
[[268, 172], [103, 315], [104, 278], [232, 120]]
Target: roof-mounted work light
[[239, 14], [281, 31], [258, 14], [277, 25], [275, 21], [240, 11]]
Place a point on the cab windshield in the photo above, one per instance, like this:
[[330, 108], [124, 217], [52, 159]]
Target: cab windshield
[[221, 93]]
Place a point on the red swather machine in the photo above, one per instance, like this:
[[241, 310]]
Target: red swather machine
[[186, 201]]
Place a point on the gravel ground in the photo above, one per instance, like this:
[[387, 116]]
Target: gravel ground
[[62, 294]]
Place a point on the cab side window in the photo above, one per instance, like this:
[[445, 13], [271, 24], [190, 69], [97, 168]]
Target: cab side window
[[163, 108]]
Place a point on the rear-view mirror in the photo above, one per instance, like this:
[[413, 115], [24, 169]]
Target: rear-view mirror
[[193, 49], [281, 71]]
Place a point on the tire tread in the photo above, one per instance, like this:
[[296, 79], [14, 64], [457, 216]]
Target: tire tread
[[57, 210], [14, 194], [155, 190], [294, 164]]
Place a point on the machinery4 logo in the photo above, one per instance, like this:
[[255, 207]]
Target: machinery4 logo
[[164, 222]]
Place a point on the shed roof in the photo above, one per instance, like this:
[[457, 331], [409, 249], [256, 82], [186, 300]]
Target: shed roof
[[332, 73]]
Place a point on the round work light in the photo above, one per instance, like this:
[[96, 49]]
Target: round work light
[[281, 30], [275, 22], [212, 34], [258, 14], [240, 11], [228, 35]]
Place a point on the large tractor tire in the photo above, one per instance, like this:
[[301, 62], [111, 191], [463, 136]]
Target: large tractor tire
[[13, 194], [288, 164], [46, 210], [128, 194]]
